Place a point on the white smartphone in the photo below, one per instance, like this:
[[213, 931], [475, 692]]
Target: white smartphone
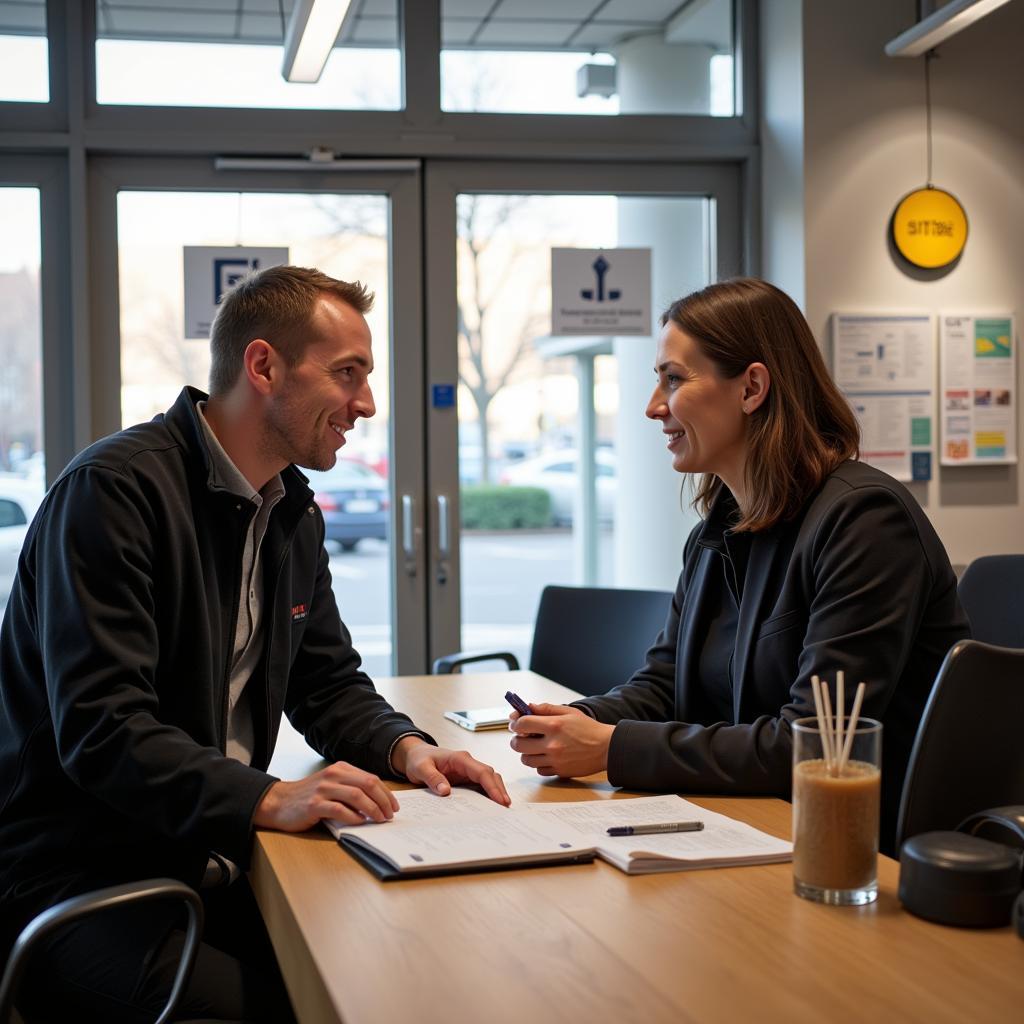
[[478, 719]]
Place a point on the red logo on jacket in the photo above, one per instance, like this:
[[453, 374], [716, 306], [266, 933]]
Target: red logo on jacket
[[298, 612]]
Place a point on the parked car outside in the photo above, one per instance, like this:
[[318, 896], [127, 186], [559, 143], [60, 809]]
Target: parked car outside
[[556, 472], [354, 501], [19, 499]]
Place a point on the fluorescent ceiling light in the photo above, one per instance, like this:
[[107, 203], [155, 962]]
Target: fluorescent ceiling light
[[311, 34], [938, 27]]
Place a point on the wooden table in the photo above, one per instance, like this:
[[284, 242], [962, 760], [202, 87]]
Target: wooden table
[[587, 943]]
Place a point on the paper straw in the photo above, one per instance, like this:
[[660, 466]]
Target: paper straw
[[822, 726], [826, 700], [840, 708], [854, 714]]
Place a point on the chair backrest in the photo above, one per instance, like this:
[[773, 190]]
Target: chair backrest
[[968, 755], [992, 593], [52, 920], [592, 638]]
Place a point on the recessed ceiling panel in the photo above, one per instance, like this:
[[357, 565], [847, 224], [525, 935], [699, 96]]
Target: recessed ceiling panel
[[510, 34], [458, 31], [640, 10], [375, 32], [260, 28], [605, 34], [560, 9], [204, 25], [23, 18]]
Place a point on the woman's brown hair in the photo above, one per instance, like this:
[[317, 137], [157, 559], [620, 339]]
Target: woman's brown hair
[[804, 429]]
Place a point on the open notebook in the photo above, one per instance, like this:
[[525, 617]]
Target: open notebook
[[467, 832]]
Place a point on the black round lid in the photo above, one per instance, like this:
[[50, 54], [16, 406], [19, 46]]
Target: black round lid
[[959, 879]]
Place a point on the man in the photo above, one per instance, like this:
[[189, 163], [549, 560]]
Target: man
[[173, 598]]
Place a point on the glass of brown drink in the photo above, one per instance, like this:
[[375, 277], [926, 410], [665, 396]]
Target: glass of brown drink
[[835, 814]]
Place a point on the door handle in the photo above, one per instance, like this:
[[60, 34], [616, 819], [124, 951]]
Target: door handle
[[443, 541], [409, 533], [443, 538]]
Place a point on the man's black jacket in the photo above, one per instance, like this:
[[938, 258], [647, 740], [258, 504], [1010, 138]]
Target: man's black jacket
[[114, 665]]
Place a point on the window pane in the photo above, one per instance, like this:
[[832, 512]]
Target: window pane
[[343, 235], [228, 53], [578, 57], [24, 60], [21, 383], [521, 410]]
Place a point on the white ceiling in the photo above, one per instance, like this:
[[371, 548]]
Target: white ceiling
[[584, 25]]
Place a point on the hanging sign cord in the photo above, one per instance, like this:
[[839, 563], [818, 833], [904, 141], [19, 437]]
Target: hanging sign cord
[[928, 58]]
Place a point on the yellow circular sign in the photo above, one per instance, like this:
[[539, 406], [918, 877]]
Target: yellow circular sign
[[929, 228]]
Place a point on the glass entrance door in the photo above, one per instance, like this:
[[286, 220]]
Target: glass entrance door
[[508, 459], [21, 378], [560, 479], [347, 229]]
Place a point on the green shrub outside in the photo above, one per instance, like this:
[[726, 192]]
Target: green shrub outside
[[489, 507]]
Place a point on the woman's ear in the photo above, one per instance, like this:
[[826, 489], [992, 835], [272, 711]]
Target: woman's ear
[[756, 383]]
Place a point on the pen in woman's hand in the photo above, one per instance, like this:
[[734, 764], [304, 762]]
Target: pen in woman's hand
[[518, 703]]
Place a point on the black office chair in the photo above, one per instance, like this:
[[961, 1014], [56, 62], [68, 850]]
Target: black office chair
[[968, 755], [587, 638], [50, 920], [992, 593]]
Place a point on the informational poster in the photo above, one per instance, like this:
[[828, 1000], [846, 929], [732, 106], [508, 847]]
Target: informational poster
[[600, 292], [210, 270], [978, 389], [885, 365]]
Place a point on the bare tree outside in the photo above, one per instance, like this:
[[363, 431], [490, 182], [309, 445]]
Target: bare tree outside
[[162, 339], [20, 371], [490, 267]]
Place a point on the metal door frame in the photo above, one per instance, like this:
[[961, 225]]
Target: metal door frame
[[108, 175], [728, 184]]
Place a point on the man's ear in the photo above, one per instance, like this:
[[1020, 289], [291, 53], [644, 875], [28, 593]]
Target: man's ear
[[757, 381], [262, 366]]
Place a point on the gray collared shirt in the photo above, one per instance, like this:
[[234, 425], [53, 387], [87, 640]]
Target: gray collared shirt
[[248, 645]]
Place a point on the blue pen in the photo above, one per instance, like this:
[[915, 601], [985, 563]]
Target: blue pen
[[518, 703]]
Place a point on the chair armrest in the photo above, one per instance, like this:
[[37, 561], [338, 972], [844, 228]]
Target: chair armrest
[[47, 922], [451, 662]]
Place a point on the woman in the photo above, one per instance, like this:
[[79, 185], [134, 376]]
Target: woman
[[807, 562]]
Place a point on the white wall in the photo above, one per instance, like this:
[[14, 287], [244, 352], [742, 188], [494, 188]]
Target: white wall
[[864, 148]]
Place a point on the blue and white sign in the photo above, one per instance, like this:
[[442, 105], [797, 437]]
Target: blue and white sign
[[443, 396], [600, 292], [211, 270]]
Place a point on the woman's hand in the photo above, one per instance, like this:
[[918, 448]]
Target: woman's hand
[[560, 740]]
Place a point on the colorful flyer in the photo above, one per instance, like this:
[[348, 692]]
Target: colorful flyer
[[978, 383], [885, 365]]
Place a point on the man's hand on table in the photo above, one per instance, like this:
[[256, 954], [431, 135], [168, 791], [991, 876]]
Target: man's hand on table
[[349, 795], [561, 740], [340, 791], [439, 769]]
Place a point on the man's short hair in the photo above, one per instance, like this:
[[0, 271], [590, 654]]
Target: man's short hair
[[277, 305]]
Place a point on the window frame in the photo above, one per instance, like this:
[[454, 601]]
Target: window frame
[[65, 401], [51, 116], [63, 147], [421, 128]]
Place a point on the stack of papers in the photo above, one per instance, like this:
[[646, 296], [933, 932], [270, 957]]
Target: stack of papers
[[466, 831]]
